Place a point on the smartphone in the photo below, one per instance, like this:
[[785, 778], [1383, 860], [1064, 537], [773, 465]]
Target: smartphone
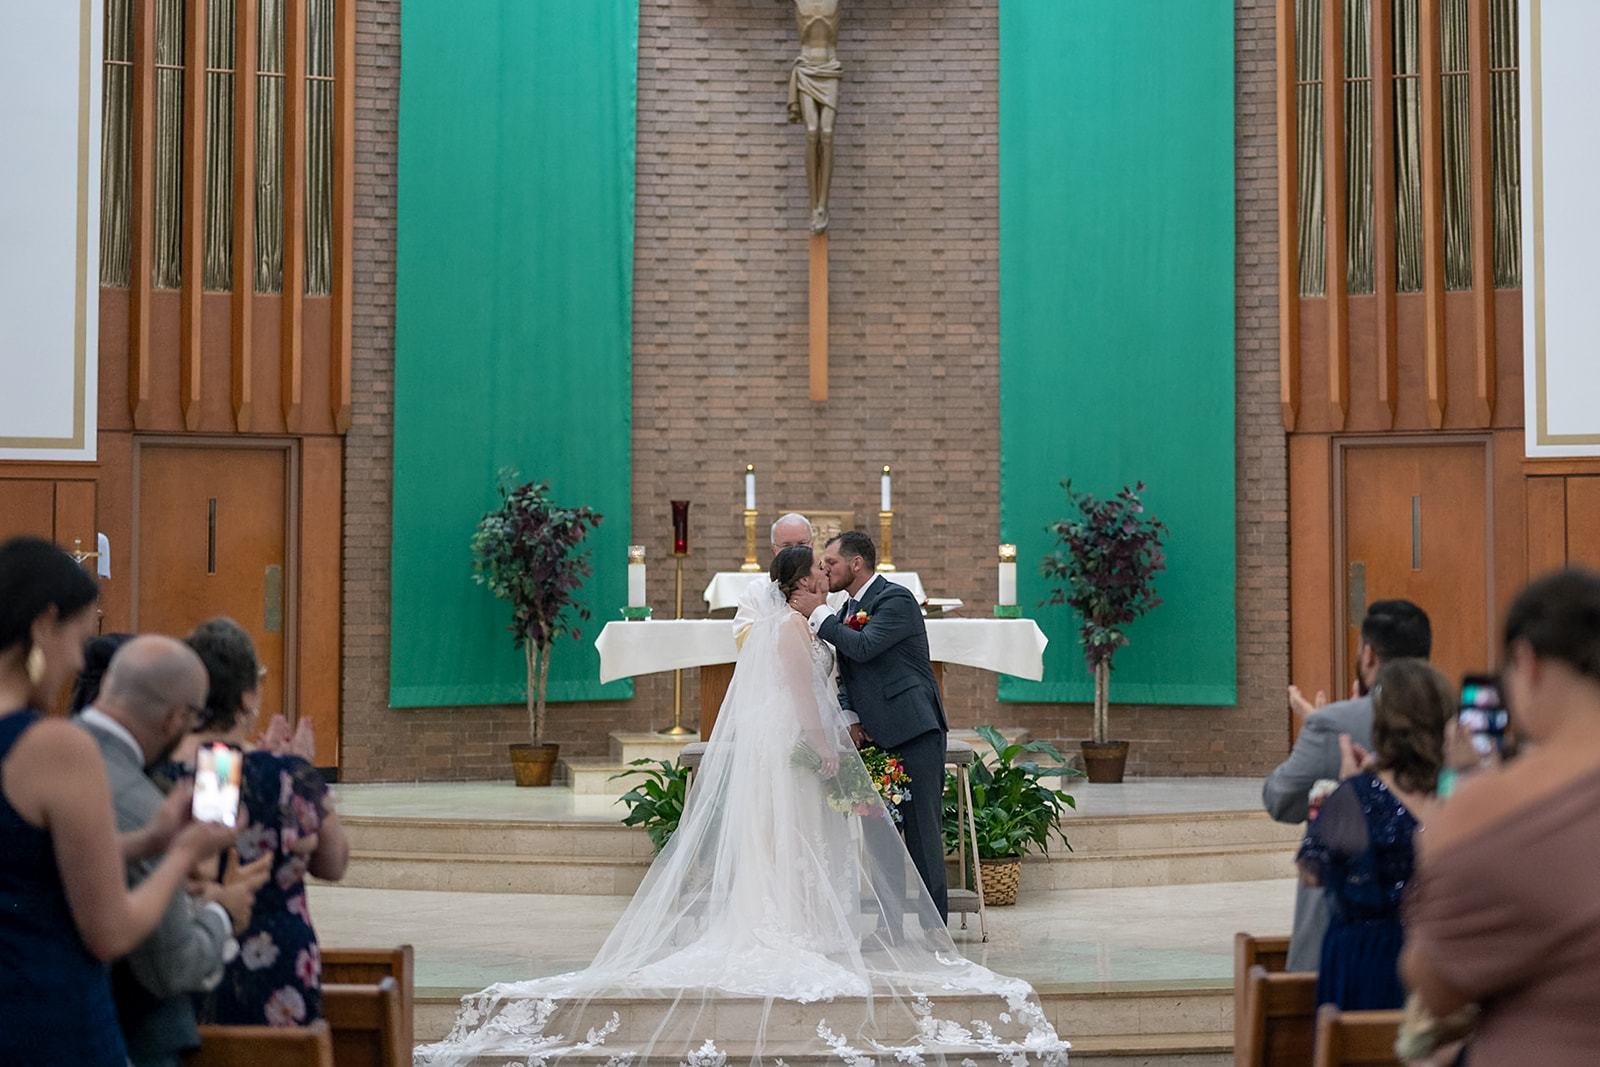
[[1483, 713], [218, 770]]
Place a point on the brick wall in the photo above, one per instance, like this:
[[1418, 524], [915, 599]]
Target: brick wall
[[720, 363]]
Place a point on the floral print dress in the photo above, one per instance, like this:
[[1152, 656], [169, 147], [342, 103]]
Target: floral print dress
[[276, 979]]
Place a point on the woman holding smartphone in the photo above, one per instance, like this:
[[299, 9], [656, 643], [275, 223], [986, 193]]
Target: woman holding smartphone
[[65, 908], [1505, 912], [1359, 844], [276, 979]]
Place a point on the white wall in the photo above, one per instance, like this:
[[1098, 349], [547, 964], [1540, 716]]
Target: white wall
[[49, 227]]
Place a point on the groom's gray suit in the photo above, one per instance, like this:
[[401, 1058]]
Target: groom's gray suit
[[889, 679]]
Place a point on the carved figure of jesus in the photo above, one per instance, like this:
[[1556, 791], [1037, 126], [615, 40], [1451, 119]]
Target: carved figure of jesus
[[814, 97]]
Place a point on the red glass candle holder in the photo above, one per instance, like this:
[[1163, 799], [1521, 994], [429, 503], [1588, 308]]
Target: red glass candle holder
[[680, 527]]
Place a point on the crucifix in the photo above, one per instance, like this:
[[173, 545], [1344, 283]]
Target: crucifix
[[814, 100]]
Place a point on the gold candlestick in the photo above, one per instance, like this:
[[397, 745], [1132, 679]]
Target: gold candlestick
[[677, 729], [885, 522], [750, 566]]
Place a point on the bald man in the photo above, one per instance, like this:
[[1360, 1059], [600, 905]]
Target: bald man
[[153, 690]]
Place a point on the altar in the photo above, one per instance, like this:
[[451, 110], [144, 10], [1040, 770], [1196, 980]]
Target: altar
[[1005, 646]]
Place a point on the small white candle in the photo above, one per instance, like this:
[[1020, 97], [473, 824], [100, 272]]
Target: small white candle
[[1008, 575], [884, 505], [635, 576], [749, 486]]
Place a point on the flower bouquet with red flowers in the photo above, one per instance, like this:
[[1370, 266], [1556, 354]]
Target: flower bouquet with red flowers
[[890, 776], [853, 789]]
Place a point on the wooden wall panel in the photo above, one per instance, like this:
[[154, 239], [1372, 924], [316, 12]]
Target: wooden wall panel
[[317, 640], [1311, 498], [1334, 206], [113, 351], [216, 388], [142, 211], [1483, 302], [1546, 523], [1432, 213], [1288, 237], [193, 214], [1508, 520], [74, 527], [1583, 520], [27, 507], [316, 361]]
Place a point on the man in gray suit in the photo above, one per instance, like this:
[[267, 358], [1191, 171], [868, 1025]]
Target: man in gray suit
[[1393, 629], [153, 690], [882, 643]]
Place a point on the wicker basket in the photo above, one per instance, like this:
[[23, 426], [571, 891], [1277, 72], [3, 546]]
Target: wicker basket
[[1000, 878]]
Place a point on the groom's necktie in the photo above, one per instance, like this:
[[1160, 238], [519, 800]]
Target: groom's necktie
[[849, 608]]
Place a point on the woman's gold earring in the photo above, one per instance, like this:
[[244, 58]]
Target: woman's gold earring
[[35, 665]]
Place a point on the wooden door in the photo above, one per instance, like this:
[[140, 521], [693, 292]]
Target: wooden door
[[1416, 526], [211, 531]]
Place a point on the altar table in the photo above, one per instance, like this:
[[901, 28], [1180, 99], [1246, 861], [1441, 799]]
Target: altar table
[[1005, 646]]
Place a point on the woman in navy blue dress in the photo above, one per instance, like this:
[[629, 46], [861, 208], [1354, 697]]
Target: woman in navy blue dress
[[1358, 844], [65, 909], [276, 980]]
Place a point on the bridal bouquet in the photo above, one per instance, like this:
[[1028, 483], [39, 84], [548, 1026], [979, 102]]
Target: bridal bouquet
[[860, 787], [890, 778]]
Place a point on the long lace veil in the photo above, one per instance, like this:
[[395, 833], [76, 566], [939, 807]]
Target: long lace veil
[[783, 918]]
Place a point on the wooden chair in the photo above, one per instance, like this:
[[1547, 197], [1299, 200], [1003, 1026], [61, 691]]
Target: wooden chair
[[1280, 1013], [264, 1046], [369, 966], [1271, 953], [365, 1020], [1356, 1038]]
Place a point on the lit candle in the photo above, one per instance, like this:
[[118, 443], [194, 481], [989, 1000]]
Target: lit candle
[[680, 527], [884, 505], [635, 576], [1008, 574], [749, 486]]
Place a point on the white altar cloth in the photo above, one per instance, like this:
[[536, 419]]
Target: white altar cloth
[[728, 586], [1005, 646]]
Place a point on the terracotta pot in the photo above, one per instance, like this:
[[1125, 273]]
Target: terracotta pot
[[1000, 878], [533, 765], [1105, 762]]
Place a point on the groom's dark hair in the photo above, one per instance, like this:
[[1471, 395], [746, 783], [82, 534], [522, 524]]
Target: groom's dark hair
[[856, 543], [789, 566]]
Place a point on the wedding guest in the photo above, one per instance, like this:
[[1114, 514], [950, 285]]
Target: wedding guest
[[277, 977], [65, 909], [1504, 912], [96, 658], [1359, 844]]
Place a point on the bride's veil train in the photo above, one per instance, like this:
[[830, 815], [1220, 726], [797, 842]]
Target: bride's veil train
[[773, 927]]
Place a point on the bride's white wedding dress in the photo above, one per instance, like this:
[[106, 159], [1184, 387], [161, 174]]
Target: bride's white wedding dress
[[771, 925]]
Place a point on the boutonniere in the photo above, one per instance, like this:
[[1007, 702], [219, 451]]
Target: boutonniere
[[858, 621]]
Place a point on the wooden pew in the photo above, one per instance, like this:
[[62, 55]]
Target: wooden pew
[[1356, 1038], [1271, 953], [264, 1046], [1280, 1013], [369, 966], [365, 1020]]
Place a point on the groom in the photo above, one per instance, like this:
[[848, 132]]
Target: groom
[[883, 661]]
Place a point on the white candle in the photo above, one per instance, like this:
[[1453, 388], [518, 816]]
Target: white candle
[[635, 576], [749, 487], [1008, 575], [884, 505]]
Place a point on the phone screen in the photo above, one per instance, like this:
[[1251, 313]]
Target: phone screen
[[218, 769], [1483, 712]]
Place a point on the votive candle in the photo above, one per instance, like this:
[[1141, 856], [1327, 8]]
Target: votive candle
[[635, 576], [749, 486], [1008, 575], [680, 527], [884, 504]]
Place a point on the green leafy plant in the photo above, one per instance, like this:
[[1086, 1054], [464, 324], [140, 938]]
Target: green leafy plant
[[657, 802], [524, 551], [1014, 811], [1108, 555]]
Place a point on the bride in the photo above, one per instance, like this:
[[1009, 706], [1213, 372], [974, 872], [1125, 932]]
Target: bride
[[782, 919]]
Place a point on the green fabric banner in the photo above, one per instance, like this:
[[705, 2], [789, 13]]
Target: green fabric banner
[[1116, 312], [514, 295]]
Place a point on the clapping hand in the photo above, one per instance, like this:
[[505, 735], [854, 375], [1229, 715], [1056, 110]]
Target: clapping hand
[[1353, 758]]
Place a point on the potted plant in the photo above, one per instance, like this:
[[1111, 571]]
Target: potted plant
[[524, 552], [1014, 812], [1108, 555], [656, 803]]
